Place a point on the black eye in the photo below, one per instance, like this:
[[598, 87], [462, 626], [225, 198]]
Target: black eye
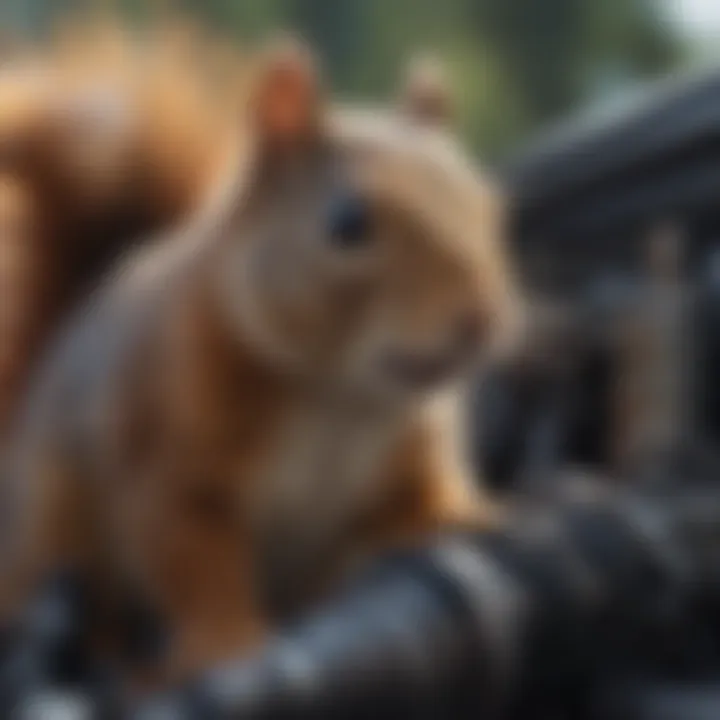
[[350, 224]]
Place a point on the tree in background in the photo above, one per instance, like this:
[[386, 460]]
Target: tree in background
[[519, 64], [556, 51]]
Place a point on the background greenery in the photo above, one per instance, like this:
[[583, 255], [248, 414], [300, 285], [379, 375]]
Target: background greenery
[[520, 64]]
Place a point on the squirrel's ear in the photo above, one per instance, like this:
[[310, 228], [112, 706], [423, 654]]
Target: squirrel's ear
[[286, 104], [426, 96]]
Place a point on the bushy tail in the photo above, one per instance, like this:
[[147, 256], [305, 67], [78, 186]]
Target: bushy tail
[[106, 136]]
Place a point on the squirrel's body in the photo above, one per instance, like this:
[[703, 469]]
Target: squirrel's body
[[239, 420]]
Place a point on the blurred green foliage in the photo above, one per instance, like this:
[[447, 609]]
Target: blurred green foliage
[[518, 64]]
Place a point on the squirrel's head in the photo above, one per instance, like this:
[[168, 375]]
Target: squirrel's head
[[367, 248]]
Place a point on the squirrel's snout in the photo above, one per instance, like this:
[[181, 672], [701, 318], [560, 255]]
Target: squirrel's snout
[[422, 370], [468, 332]]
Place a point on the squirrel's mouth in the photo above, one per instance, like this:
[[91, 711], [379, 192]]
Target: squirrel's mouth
[[423, 372], [419, 372]]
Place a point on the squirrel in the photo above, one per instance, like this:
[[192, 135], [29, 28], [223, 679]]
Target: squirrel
[[104, 141], [259, 404]]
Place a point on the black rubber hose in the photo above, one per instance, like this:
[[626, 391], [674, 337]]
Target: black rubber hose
[[517, 623], [408, 644], [483, 626]]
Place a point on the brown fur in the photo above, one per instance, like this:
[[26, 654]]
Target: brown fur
[[107, 140], [222, 430]]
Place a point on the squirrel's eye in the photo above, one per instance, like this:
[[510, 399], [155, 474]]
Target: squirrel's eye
[[350, 223]]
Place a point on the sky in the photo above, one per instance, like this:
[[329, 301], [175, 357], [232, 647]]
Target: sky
[[697, 17]]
